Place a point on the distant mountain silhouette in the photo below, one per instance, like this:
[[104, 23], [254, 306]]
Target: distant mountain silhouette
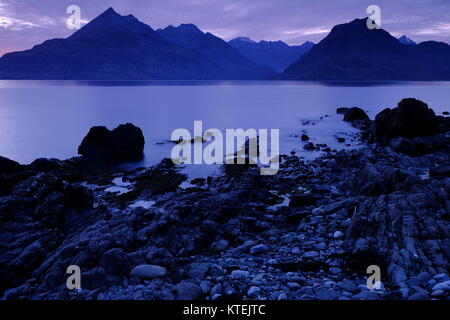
[[232, 64], [405, 40], [112, 47], [275, 54], [352, 52]]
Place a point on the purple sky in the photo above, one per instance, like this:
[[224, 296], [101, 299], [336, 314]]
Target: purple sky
[[24, 23]]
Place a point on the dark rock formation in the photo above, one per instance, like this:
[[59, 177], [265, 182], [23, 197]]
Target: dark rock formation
[[124, 143], [354, 114], [305, 137], [353, 52], [309, 146], [412, 118], [313, 229], [8, 166], [341, 110]]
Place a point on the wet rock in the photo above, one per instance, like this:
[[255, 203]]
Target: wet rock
[[412, 118], [239, 274], [419, 145], [94, 279], [220, 245], [338, 235], [310, 254], [347, 285], [158, 256], [260, 248], [187, 291], [342, 110], [43, 164], [334, 270], [326, 294], [253, 291], [295, 217], [309, 146], [124, 143], [197, 270], [444, 286], [355, 113], [9, 166], [245, 247], [115, 261], [298, 200], [282, 296], [147, 271]]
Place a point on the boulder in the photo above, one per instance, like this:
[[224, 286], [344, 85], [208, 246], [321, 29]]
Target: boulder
[[43, 164], [412, 118], [304, 137], [309, 146], [354, 114], [94, 279], [124, 143], [188, 291], [115, 261], [419, 145], [9, 166], [342, 110], [148, 271]]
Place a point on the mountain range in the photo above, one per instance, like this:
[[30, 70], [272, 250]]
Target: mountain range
[[275, 54], [231, 63], [116, 47], [353, 52]]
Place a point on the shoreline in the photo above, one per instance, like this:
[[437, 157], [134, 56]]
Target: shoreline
[[309, 232]]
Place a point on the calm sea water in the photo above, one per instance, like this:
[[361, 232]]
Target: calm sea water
[[50, 118]]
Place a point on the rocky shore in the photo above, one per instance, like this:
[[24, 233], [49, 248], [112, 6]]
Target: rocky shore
[[308, 232]]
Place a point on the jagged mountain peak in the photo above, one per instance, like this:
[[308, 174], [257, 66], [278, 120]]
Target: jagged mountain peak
[[111, 24], [405, 40]]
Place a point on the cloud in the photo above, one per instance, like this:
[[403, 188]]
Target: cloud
[[438, 29], [24, 23], [14, 24], [305, 31]]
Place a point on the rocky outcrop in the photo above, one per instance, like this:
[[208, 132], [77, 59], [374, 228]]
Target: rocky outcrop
[[124, 143], [412, 118], [354, 114]]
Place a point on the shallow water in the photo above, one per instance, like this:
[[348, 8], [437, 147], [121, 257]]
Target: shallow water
[[50, 118]]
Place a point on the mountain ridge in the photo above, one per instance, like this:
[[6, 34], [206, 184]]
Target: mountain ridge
[[352, 52], [276, 54], [228, 59], [116, 47]]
